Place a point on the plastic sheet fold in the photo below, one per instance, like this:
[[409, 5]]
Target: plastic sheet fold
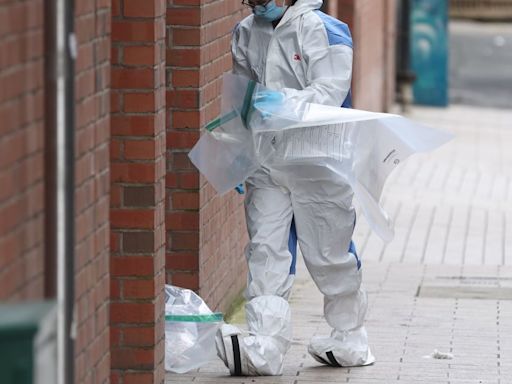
[[361, 147]]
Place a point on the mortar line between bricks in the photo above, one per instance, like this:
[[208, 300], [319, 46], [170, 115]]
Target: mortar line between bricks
[[466, 234], [411, 317], [427, 237], [447, 236], [375, 297], [446, 178], [503, 237], [475, 188], [396, 213], [430, 177], [507, 185], [461, 181], [486, 234], [490, 191], [452, 333], [408, 234], [415, 174], [19, 196], [498, 346], [25, 156], [409, 322]]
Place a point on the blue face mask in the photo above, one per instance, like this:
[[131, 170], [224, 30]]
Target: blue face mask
[[269, 12]]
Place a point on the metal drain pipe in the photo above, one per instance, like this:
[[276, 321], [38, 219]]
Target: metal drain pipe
[[60, 53]]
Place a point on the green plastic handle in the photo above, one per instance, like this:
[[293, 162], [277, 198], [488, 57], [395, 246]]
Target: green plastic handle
[[244, 114], [211, 318]]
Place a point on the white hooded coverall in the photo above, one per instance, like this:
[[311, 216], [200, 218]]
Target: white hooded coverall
[[308, 56]]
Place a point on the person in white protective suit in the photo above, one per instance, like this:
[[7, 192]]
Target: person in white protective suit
[[305, 55]]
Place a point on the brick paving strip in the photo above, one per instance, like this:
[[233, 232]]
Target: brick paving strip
[[452, 211]]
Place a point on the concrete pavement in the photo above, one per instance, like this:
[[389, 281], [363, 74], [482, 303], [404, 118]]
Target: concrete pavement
[[444, 282], [453, 205]]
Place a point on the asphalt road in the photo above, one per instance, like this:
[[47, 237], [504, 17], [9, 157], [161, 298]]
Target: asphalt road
[[481, 64]]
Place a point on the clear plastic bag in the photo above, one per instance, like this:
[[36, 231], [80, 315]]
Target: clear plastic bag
[[228, 152], [361, 147], [190, 328]]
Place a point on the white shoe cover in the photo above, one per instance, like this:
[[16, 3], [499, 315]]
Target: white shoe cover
[[342, 349], [260, 352]]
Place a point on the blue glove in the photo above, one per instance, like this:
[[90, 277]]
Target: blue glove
[[240, 189], [268, 102]]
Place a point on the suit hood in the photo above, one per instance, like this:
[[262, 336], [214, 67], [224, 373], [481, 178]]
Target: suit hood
[[299, 8]]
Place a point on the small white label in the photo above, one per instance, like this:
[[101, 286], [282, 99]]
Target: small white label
[[72, 45]]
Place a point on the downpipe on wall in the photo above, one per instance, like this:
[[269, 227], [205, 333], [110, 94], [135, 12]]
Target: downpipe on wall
[[60, 54]]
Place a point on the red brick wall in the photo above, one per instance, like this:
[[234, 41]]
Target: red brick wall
[[92, 82], [206, 233], [138, 191], [22, 166], [21, 150], [373, 28], [184, 100]]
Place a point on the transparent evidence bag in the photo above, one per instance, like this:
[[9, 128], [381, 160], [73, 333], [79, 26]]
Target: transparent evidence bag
[[360, 147]]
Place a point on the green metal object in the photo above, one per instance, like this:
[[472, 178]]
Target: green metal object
[[211, 318], [19, 324], [244, 114], [429, 51], [221, 120], [247, 106]]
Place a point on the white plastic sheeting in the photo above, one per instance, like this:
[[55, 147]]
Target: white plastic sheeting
[[190, 328], [362, 147]]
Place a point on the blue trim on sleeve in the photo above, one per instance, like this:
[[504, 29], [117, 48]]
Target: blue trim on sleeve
[[348, 100], [292, 246], [337, 31]]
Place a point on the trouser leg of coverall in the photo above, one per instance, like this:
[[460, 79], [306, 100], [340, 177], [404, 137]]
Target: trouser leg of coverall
[[325, 219], [269, 214]]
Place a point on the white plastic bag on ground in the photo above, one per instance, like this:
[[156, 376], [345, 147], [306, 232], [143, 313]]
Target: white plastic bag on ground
[[190, 328], [362, 147]]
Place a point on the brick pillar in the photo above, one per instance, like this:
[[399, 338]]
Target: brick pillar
[[206, 233], [183, 120], [92, 82], [21, 150], [137, 196], [373, 27]]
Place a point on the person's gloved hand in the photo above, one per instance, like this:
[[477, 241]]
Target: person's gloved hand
[[269, 97], [240, 189], [268, 102]]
